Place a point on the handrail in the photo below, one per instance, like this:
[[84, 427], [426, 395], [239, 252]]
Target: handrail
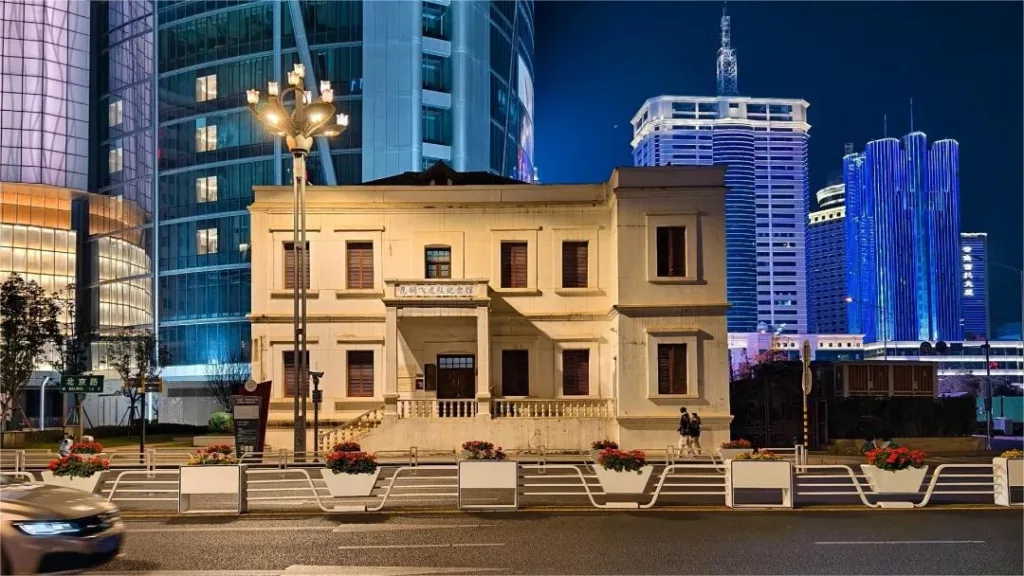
[[351, 424]]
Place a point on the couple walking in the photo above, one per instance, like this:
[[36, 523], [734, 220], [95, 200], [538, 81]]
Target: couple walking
[[689, 433]]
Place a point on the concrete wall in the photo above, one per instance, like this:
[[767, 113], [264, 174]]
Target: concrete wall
[[509, 433]]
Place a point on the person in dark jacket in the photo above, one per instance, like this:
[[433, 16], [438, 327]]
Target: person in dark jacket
[[695, 434], [684, 446]]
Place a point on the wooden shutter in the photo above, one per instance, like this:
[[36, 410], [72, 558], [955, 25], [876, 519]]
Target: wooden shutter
[[671, 368], [513, 265], [289, 265], [430, 377], [289, 374], [574, 264], [576, 372], [515, 373], [360, 373], [360, 265], [671, 251]]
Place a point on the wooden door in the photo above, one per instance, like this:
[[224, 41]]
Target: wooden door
[[456, 377]]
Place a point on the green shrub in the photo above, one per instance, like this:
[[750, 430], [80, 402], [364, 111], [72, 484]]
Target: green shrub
[[221, 423]]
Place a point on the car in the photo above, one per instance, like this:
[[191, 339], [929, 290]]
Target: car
[[47, 529]]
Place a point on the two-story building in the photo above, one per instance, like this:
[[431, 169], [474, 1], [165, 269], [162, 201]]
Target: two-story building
[[446, 307]]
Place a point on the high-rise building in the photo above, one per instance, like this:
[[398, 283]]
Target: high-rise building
[[826, 261], [421, 82], [974, 284], [763, 144], [903, 260]]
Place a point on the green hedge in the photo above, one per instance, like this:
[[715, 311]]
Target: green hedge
[[901, 417]]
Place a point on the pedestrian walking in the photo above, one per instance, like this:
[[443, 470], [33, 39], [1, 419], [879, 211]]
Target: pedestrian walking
[[684, 446], [695, 433]]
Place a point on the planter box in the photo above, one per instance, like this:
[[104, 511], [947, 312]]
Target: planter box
[[613, 482], [489, 475], [759, 475], [83, 484], [1008, 474], [205, 480], [732, 453], [906, 481], [346, 485]]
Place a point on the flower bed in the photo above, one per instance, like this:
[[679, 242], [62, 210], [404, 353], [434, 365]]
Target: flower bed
[[733, 448], [480, 450], [622, 472], [895, 470], [214, 455], [350, 472], [87, 448], [599, 445], [76, 471], [760, 456], [347, 447]]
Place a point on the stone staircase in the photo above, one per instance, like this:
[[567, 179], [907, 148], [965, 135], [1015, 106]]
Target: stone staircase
[[353, 430]]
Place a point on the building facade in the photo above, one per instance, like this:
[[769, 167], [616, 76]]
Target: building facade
[[974, 284], [903, 259], [445, 307], [826, 262], [421, 82], [763, 144]]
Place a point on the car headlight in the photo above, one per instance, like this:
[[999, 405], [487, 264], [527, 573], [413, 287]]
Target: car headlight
[[47, 528]]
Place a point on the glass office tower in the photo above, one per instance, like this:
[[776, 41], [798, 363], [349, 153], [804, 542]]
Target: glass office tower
[[826, 261], [974, 284], [903, 238], [408, 74]]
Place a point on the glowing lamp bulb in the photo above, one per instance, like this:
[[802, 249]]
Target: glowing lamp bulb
[[327, 95], [342, 119], [325, 85], [293, 79], [252, 96], [299, 69], [272, 88], [273, 118]]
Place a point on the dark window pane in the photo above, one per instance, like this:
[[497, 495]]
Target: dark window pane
[[671, 251], [360, 373], [515, 373], [576, 372], [574, 265], [513, 265]]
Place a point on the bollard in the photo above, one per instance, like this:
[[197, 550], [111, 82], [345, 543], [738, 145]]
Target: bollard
[[413, 456]]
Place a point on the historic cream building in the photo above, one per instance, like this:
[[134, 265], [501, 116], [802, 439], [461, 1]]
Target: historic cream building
[[446, 307]]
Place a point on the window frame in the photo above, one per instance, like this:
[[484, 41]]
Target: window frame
[[514, 275], [566, 245], [204, 189], [691, 340], [366, 277], [207, 241], [436, 266], [670, 356], [288, 368], [692, 258], [289, 252], [115, 113], [582, 355], [204, 93], [667, 264], [361, 391], [520, 371]]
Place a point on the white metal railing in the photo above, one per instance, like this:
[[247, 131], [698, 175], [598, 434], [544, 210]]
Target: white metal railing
[[675, 480], [437, 408], [945, 479], [354, 429], [146, 488], [553, 408]]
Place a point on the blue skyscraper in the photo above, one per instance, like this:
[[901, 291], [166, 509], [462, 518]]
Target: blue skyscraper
[[974, 284], [763, 144], [826, 261], [902, 235]]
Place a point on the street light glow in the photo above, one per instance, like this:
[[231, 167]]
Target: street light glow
[[299, 69], [316, 116], [272, 88], [252, 96], [293, 79], [273, 118], [848, 299]]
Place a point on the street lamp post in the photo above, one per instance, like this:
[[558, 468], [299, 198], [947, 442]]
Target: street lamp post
[[881, 310], [306, 120]]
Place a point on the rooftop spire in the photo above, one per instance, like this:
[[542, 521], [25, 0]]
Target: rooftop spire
[[726, 65]]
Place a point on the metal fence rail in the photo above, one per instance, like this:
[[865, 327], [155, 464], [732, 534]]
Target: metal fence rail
[[142, 486], [571, 480], [944, 480]]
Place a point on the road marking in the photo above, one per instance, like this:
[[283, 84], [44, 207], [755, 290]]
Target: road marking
[[341, 528], [300, 570], [899, 542], [230, 528], [399, 546]]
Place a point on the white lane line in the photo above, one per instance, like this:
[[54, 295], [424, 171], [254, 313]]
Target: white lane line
[[400, 546], [232, 529], [341, 528], [898, 542]]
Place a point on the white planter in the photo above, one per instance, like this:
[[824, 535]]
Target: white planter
[[1008, 474], [906, 481], [613, 482], [489, 475], [83, 484], [732, 453], [213, 479], [345, 485], [759, 475]]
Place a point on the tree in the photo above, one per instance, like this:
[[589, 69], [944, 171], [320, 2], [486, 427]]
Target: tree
[[135, 355], [225, 379], [749, 367], [70, 355], [963, 382], [29, 328]]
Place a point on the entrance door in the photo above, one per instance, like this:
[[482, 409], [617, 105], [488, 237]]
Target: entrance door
[[456, 378]]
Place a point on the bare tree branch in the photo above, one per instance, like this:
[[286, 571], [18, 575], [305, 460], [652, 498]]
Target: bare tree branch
[[135, 356], [224, 380]]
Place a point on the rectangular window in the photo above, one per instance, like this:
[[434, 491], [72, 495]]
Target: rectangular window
[[671, 368], [438, 262], [359, 261], [206, 136], [206, 241], [515, 373], [513, 264], [360, 373], [115, 158], [289, 265], [206, 189], [115, 113], [576, 372], [671, 251], [574, 264], [289, 374], [206, 88]]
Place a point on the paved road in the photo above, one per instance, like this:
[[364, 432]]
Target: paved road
[[869, 542]]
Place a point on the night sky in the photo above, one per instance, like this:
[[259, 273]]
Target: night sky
[[596, 63]]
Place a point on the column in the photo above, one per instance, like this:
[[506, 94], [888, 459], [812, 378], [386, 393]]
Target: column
[[483, 361], [391, 363]]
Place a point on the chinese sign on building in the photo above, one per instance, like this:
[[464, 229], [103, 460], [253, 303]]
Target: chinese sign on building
[[434, 290]]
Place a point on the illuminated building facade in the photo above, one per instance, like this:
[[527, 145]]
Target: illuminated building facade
[[974, 284], [826, 261]]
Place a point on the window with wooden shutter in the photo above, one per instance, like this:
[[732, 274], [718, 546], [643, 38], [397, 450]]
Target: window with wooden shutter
[[438, 262], [360, 373], [430, 377], [672, 369], [359, 261], [289, 264], [574, 264], [576, 372], [671, 251], [289, 374], [515, 373], [513, 264]]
